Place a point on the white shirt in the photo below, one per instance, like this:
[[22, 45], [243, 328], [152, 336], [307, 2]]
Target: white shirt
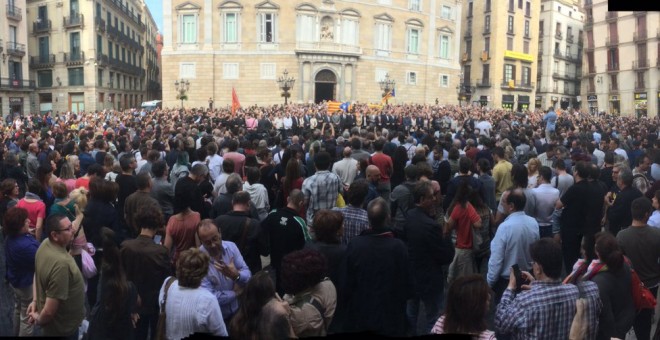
[[258, 197], [600, 157], [288, 122], [546, 196], [215, 166], [191, 310], [219, 186], [622, 152], [346, 169]]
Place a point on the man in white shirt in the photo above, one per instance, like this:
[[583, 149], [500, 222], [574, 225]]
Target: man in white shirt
[[546, 197], [599, 154], [346, 169], [615, 145]]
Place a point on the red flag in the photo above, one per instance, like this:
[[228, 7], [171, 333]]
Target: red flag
[[235, 104]]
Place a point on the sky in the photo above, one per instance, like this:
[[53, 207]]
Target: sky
[[156, 9]]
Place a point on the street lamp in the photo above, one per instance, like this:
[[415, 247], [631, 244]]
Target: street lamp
[[286, 84], [386, 85], [182, 87]]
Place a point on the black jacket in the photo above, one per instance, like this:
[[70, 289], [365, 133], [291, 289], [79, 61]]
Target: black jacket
[[252, 242]]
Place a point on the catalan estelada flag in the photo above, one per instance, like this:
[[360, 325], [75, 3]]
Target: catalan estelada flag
[[333, 106], [388, 96], [346, 106], [235, 104]]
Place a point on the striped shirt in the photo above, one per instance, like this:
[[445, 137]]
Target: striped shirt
[[439, 327], [546, 311]]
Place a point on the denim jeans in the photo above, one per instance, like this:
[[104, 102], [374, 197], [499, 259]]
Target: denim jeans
[[432, 308]]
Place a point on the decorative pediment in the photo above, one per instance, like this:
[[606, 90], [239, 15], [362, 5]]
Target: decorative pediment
[[414, 22], [188, 6], [446, 29], [267, 5], [384, 17], [349, 12], [306, 7], [229, 4]]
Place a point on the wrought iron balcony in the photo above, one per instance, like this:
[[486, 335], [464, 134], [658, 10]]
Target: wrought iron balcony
[[41, 26], [558, 35], [611, 16], [100, 24], [569, 39], [640, 36], [614, 88], [640, 86], [613, 67], [74, 20], [611, 41], [14, 13], [15, 49], [74, 58], [484, 83], [640, 64], [42, 61]]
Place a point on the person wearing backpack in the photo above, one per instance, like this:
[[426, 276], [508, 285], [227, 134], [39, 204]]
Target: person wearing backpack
[[401, 199]]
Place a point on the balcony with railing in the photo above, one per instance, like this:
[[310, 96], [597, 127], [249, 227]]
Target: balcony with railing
[[324, 46], [611, 41], [518, 85], [74, 20], [591, 89], [640, 86], [41, 26], [16, 84], [614, 87], [639, 13], [42, 61], [569, 39], [564, 75], [613, 67], [100, 24], [14, 13], [15, 49], [611, 16], [74, 58], [588, 23], [468, 34], [486, 30], [640, 64], [483, 83], [558, 35], [640, 36], [119, 4]]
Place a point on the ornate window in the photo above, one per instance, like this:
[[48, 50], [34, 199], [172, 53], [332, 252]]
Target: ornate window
[[383, 34], [188, 14], [350, 27], [306, 25], [267, 23], [230, 13]]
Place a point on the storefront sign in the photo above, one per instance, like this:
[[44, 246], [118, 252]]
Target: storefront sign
[[640, 95], [15, 100], [614, 98], [592, 98], [519, 56]]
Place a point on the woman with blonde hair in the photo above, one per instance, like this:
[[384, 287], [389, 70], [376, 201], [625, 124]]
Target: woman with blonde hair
[[67, 176], [79, 197], [75, 163], [533, 167]]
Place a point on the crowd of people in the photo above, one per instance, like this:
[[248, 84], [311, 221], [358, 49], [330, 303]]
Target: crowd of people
[[291, 221]]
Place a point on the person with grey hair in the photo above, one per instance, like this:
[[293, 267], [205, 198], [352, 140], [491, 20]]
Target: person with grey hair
[[187, 190], [618, 204], [376, 264], [346, 168]]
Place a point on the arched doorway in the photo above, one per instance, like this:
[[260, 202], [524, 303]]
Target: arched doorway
[[324, 86]]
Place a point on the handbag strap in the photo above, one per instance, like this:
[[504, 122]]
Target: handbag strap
[[167, 288]]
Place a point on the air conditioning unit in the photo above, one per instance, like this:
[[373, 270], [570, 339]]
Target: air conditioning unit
[[484, 55]]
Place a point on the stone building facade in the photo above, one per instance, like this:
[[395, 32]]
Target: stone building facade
[[335, 50]]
